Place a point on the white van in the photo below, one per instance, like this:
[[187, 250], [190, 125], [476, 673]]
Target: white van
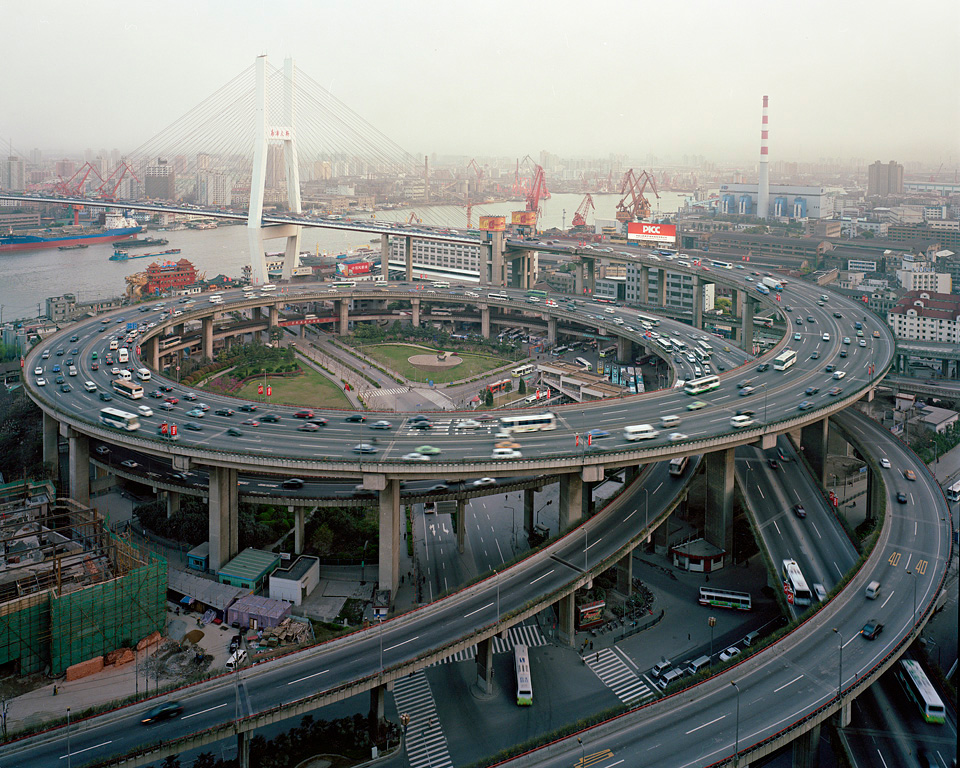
[[820, 591], [738, 422], [669, 422], [839, 374], [698, 664], [873, 590], [671, 675], [89, 386], [46, 354], [125, 375], [114, 344], [639, 432], [238, 659], [143, 374]]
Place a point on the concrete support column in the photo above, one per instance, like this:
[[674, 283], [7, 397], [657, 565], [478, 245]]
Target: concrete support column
[[587, 497], [566, 633], [697, 302], [806, 749], [845, 715], [173, 503], [485, 665], [624, 349], [299, 513], [625, 574], [551, 330], [51, 444], [206, 336], [578, 285], [378, 700], [461, 523], [876, 499], [274, 311], [79, 471], [718, 526], [389, 572], [415, 312], [385, 257], [592, 276], [529, 496], [747, 341], [644, 289], [486, 263], [485, 322], [223, 516], [408, 258], [813, 443], [630, 474], [662, 287], [243, 749], [736, 309], [571, 500], [154, 353], [343, 326]]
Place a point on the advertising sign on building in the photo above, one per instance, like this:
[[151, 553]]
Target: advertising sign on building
[[658, 233], [493, 223], [524, 218], [356, 268]]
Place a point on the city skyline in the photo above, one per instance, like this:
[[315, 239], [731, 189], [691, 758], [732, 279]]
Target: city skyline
[[642, 82]]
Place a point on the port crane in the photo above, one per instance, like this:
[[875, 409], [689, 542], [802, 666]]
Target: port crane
[[70, 189], [633, 187], [123, 169], [580, 217]]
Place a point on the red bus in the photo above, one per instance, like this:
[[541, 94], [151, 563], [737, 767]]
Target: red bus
[[499, 386]]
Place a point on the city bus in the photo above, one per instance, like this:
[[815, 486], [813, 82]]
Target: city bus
[[794, 578], [521, 665], [702, 356], [654, 321], [169, 341], [123, 355], [498, 296], [664, 342], [584, 363], [725, 598], [608, 351], [531, 422], [441, 284], [127, 389], [953, 492], [701, 385], [763, 322], [678, 465], [538, 294], [523, 370], [114, 417], [784, 360], [918, 687], [344, 284], [498, 386], [708, 350], [679, 344], [721, 264]]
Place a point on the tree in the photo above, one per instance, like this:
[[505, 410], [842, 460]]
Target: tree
[[488, 399], [170, 761], [522, 387], [204, 760]]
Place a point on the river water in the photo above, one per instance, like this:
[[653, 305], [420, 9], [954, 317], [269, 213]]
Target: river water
[[27, 278]]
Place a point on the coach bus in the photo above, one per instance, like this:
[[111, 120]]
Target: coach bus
[[679, 344], [918, 687], [702, 357], [114, 417], [701, 385], [794, 578], [529, 422], [708, 350], [441, 284], [725, 598], [169, 341], [498, 296], [127, 389], [664, 342], [538, 294], [721, 264], [521, 665], [784, 360]]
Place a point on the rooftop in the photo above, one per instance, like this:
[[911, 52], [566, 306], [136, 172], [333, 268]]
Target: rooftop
[[250, 564]]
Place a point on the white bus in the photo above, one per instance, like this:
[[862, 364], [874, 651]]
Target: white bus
[[701, 385], [528, 422], [654, 321], [793, 576], [705, 347], [918, 687], [953, 492], [679, 344], [521, 665], [784, 360], [268, 287], [127, 389], [678, 465], [721, 264], [123, 355], [114, 417], [441, 284], [664, 342], [610, 351], [584, 363], [725, 598], [498, 296], [702, 357], [523, 370]]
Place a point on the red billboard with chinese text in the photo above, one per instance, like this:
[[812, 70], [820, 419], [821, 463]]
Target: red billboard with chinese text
[[658, 233], [493, 223]]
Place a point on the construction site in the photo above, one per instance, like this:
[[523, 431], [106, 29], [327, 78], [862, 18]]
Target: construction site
[[71, 591]]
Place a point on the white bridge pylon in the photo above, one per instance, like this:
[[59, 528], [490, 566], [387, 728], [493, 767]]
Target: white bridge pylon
[[265, 135]]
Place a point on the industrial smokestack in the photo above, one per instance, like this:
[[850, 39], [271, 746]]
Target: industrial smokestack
[[763, 188]]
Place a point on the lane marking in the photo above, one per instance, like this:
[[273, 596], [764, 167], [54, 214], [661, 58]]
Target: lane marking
[[884, 603], [717, 720], [481, 608], [543, 576], [85, 749], [204, 711], [777, 690], [299, 680], [403, 643], [591, 546]]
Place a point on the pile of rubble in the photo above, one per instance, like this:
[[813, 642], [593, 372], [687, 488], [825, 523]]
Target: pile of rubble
[[290, 631]]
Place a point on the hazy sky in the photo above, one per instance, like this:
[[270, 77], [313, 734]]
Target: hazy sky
[[847, 79]]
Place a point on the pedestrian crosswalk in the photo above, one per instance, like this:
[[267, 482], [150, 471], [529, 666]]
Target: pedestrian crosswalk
[[426, 744], [520, 635], [618, 677]]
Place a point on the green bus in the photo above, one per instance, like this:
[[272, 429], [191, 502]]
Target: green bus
[[538, 294]]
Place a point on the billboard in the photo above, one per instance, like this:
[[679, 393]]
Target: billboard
[[524, 218], [493, 223], [357, 268], [658, 233]]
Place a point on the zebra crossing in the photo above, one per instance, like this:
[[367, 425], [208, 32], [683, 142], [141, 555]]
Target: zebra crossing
[[425, 742], [618, 677], [521, 635]]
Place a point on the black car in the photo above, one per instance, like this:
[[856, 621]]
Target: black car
[[64, 387], [166, 388], [248, 407], [164, 711], [74, 338], [871, 629], [745, 412], [773, 463], [437, 488], [763, 367], [799, 511], [59, 353], [421, 425], [356, 418], [293, 482], [234, 432], [811, 390], [830, 368], [234, 643], [901, 497], [193, 426], [157, 394], [419, 417], [106, 397], [319, 421], [271, 417], [837, 315], [223, 412]]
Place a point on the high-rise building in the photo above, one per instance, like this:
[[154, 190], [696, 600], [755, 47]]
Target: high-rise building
[[159, 181], [14, 174], [885, 179]]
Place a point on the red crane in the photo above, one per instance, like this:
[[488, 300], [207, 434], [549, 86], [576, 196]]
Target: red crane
[[69, 189], [631, 187], [580, 217], [123, 168], [538, 191], [477, 168]]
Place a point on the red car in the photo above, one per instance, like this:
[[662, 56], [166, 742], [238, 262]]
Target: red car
[[303, 415], [171, 400]]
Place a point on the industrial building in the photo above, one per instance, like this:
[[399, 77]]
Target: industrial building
[[70, 589], [786, 201]]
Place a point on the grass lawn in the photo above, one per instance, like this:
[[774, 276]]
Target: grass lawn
[[394, 356], [308, 389]]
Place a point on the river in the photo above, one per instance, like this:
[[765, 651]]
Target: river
[[27, 278]]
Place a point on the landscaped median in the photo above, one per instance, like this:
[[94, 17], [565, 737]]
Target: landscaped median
[[396, 357]]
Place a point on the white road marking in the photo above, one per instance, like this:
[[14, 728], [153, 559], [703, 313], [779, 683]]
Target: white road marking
[[204, 711], [706, 724], [299, 680], [86, 749], [543, 576], [481, 608], [777, 690]]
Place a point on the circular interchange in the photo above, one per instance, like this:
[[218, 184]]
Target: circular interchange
[[435, 362], [330, 450]]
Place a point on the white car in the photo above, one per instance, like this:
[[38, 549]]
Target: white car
[[114, 371], [145, 410], [676, 437], [41, 382], [885, 463], [415, 457], [468, 424], [729, 653], [38, 371], [483, 481], [505, 453]]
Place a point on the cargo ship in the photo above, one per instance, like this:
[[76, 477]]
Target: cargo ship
[[119, 255], [71, 247], [115, 227], [144, 242]]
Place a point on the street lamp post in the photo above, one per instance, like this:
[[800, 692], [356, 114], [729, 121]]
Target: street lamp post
[[583, 760], [840, 670], [736, 741]]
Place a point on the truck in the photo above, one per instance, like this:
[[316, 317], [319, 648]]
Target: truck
[[772, 282]]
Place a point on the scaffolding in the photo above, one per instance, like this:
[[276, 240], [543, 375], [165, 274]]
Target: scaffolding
[[70, 589]]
